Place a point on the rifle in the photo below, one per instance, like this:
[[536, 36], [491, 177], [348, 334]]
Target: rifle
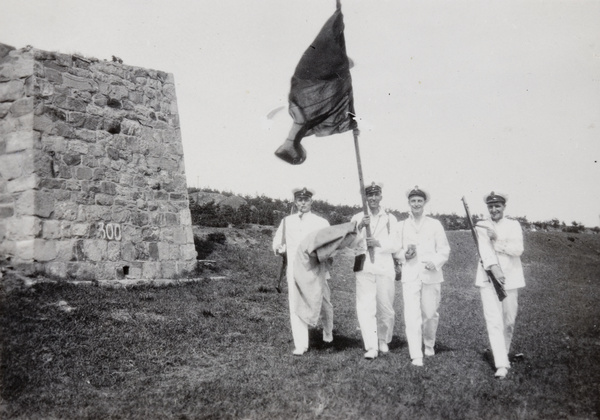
[[283, 261], [282, 271], [283, 256], [491, 276]]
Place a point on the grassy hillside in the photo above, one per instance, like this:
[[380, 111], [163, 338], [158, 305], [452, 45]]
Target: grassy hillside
[[221, 348]]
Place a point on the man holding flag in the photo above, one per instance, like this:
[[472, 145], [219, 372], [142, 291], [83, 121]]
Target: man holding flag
[[375, 280], [321, 102]]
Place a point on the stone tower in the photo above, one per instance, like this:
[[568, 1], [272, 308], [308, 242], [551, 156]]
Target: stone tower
[[92, 179]]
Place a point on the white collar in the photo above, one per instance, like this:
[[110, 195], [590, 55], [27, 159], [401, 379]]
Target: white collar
[[412, 217]]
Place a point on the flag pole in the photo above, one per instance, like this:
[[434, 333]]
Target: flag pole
[[355, 132]]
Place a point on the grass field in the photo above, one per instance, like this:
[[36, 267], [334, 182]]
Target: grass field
[[222, 348]]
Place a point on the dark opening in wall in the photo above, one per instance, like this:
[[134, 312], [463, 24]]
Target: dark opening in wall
[[114, 103], [125, 270], [52, 170], [114, 127]]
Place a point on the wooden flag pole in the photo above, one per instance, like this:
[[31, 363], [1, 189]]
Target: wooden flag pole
[[362, 190]]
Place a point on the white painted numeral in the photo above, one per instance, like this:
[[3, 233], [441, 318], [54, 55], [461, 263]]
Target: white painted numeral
[[110, 231], [117, 232]]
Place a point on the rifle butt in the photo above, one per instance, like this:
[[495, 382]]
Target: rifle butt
[[498, 287], [281, 272]]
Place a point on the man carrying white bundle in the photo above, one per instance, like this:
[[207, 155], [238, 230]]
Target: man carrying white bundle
[[297, 227]]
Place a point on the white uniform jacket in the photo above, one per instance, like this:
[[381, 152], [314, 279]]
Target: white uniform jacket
[[384, 228], [432, 245], [506, 251]]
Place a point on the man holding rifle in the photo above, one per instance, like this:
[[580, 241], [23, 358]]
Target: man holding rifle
[[297, 227], [500, 245]]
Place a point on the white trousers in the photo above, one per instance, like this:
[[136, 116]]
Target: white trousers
[[375, 308], [421, 317], [500, 321], [299, 327]]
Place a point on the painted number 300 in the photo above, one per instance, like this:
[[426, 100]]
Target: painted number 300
[[110, 231]]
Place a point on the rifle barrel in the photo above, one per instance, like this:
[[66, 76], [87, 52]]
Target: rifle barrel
[[471, 227]]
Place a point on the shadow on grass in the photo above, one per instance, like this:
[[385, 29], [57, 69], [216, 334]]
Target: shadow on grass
[[339, 343], [342, 342], [441, 348], [398, 343], [514, 358], [488, 357]]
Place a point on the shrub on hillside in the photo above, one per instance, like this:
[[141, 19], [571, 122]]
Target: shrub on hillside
[[217, 237], [263, 210], [208, 214], [574, 228], [205, 247]]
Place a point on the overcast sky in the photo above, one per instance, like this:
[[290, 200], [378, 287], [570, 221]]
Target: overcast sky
[[459, 97]]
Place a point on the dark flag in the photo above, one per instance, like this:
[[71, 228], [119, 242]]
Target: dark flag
[[320, 100]]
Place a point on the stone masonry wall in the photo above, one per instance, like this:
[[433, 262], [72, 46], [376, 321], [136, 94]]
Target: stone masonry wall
[[92, 179]]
